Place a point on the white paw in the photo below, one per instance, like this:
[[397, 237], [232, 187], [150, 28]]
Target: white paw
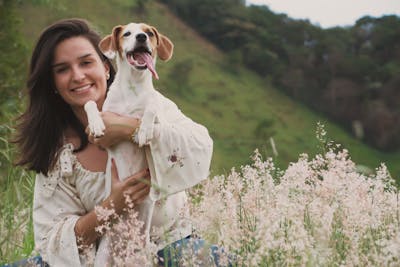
[[96, 124], [97, 127]]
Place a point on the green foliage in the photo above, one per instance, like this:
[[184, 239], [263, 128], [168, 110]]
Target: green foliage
[[179, 78], [16, 185], [264, 129], [16, 195], [304, 60], [12, 57], [339, 240]]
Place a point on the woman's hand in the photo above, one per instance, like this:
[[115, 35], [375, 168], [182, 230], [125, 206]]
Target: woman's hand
[[136, 187], [118, 128]]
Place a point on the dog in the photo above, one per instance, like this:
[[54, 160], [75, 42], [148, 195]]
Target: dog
[[175, 162]]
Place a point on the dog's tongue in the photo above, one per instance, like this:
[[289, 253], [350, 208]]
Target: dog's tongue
[[146, 58]]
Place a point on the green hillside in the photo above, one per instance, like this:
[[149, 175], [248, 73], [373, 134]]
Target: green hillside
[[237, 107]]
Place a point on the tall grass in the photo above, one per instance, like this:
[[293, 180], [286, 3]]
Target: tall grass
[[318, 212], [16, 185]]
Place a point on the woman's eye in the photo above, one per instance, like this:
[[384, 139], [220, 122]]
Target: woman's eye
[[60, 70], [86, 62], [127, 34]]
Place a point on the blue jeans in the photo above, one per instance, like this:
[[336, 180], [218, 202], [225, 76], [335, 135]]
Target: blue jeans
[[35, 261], [169, 256]]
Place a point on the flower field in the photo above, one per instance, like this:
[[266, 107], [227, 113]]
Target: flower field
[[318, 212]]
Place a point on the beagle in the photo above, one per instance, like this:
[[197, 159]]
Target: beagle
[[135, 47]]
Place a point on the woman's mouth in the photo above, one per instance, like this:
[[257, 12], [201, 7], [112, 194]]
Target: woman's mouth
[[82, 89]]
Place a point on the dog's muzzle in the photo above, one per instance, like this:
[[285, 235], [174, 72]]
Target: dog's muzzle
[[141, 58]]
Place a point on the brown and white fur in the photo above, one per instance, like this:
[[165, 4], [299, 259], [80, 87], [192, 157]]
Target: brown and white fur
[[131, 93]]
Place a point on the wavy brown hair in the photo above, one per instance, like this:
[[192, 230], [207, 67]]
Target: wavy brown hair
[[40, 128]]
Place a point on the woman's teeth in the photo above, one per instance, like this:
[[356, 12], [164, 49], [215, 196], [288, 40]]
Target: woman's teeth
[[82, 88]]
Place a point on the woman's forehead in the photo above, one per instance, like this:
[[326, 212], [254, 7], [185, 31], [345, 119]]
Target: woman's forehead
[[73, 48]]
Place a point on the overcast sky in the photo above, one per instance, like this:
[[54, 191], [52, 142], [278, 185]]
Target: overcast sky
[[330, 13]]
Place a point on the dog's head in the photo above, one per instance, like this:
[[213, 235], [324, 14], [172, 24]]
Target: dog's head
[[138, 45]]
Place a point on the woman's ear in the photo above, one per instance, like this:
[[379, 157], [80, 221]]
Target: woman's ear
[[165, 47], [109, 45], [106, 67]]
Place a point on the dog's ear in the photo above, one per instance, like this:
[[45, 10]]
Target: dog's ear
[[109, 45], [165, 47]]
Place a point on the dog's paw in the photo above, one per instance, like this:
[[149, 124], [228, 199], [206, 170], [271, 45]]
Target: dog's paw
[[96, 124], [97, 127]]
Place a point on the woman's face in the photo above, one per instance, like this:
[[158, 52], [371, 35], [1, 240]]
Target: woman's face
[[79, 73]]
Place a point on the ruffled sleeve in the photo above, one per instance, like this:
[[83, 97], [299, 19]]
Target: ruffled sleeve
[[56, 209], [178, 150]]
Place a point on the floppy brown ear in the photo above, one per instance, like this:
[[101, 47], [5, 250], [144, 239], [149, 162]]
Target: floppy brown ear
[[109, 45], [165, 47]]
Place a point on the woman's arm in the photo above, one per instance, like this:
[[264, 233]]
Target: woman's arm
[[118, 128], [133, 187], [56, 209], [178, 150], [62, 226]]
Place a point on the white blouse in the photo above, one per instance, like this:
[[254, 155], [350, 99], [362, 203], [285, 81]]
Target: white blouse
[[70, 191], [179, 152]]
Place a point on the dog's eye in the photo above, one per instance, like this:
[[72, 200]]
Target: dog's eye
[[150, 33], [127, 34]]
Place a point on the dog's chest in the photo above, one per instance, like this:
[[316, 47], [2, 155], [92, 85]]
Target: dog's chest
[[127, 100], [128, 157]]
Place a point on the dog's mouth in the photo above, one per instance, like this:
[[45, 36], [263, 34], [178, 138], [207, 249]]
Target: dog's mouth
[[141, 59]]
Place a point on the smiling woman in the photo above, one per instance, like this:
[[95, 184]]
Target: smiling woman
[[79, 73], [70, 170], [70, 187], [48, 115]]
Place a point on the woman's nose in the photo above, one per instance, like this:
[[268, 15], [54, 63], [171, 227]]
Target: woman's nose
[[77, 74]]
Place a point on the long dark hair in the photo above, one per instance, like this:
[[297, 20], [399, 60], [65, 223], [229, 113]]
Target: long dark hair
[[40, 128]]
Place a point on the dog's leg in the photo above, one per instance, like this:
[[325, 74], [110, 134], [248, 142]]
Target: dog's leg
[[146, 215], [96, 124], [103, 254]]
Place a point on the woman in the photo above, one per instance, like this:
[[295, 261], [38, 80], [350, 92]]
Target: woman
[[67, 70]]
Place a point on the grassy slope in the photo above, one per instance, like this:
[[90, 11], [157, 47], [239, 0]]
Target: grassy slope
[[229, 100]]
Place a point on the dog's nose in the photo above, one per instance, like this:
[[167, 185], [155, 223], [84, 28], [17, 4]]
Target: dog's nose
[[141, 37]]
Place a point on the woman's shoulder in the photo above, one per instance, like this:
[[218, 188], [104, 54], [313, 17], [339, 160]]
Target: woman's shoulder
[[63, 167], [67, 171]]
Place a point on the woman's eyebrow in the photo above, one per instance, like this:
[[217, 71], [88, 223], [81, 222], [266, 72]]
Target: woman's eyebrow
[[84, 56], [63, 63]]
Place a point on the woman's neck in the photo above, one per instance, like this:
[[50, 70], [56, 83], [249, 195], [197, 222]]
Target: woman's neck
[[70, 136], [81, 115]]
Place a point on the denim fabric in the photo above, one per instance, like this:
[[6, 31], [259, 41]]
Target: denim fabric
[[35, 261], [171, 255]]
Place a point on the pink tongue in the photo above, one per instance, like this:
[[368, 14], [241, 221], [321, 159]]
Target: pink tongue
[[146, 58]]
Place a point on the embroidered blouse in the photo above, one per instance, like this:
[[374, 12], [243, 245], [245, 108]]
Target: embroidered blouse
[[70, 191]]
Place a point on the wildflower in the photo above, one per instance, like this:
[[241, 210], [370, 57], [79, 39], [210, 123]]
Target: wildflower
[[320, 212]]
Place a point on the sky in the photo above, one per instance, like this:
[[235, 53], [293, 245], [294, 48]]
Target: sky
[[330, 13]]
